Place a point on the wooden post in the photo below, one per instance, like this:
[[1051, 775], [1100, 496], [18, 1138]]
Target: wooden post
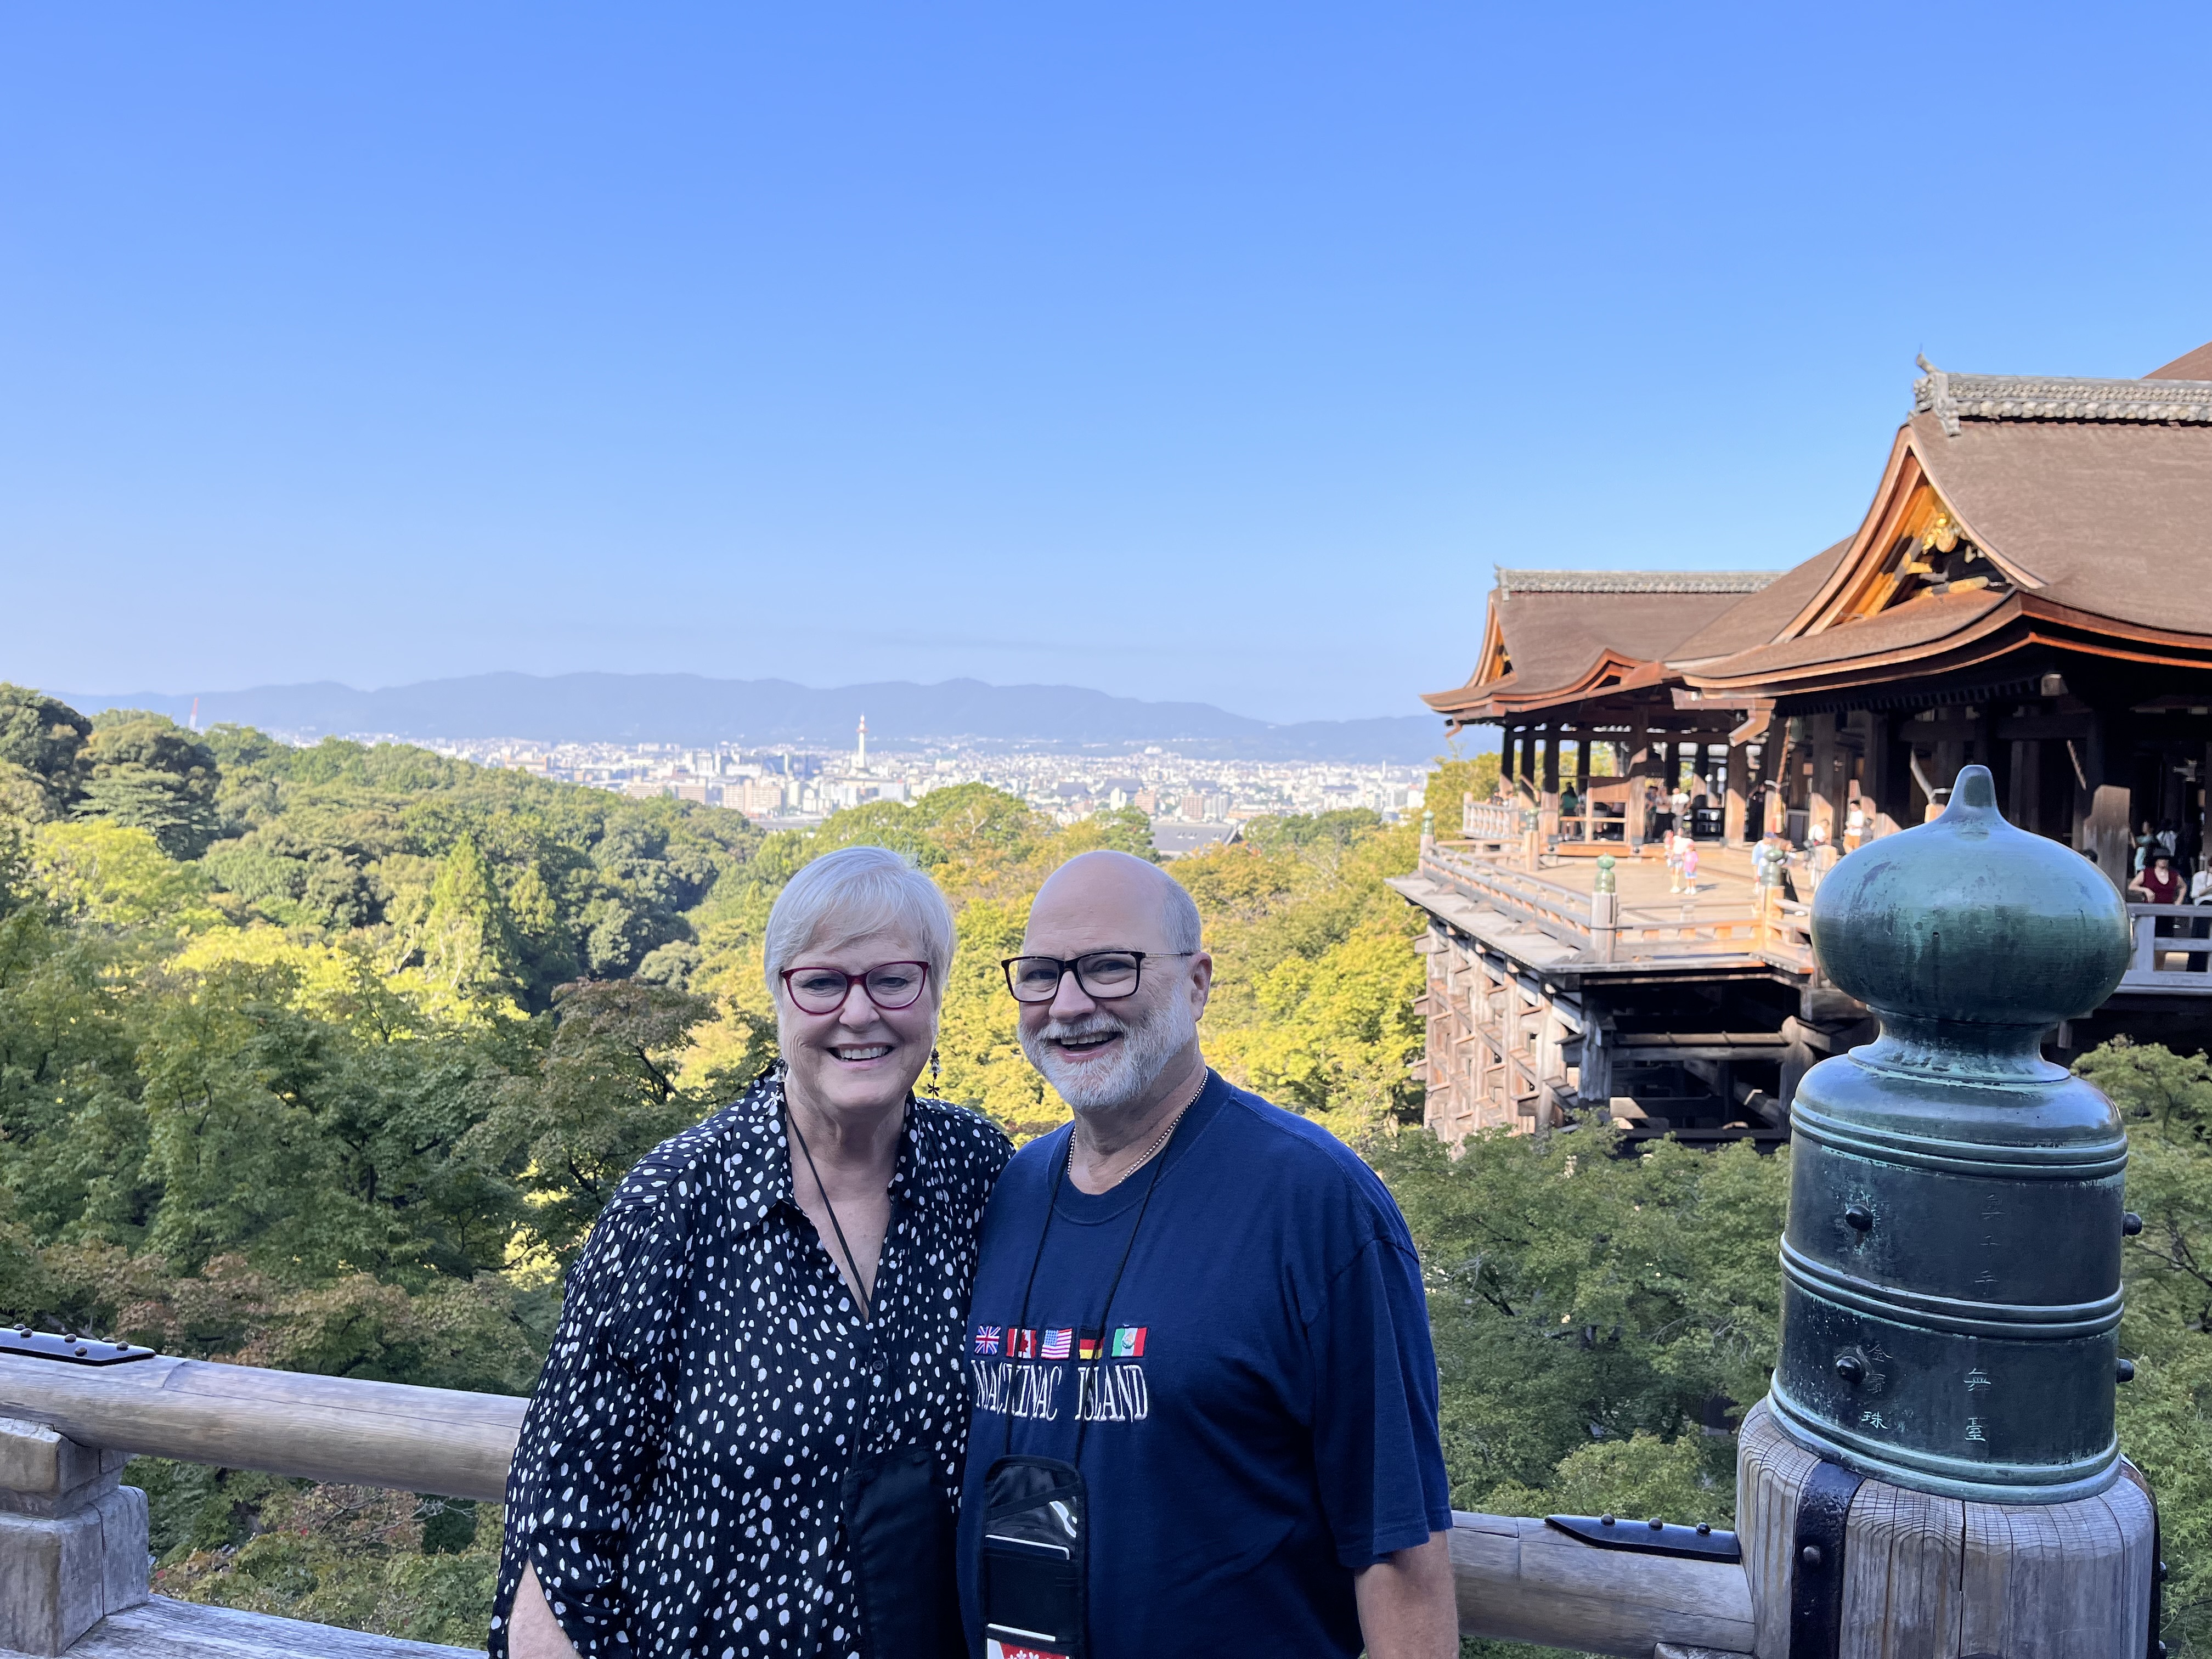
[[1935, 1471], [1734, 809], [1639, 766], [1581, 782], [1930, 1577], [1547, 823], [2107, 829], [72, 1540], [1821, 804]]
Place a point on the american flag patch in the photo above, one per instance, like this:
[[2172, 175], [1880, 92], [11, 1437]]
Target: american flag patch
[[986, 1338], [1057, 1343]]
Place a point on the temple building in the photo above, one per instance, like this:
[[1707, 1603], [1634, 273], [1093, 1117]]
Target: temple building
[[2030, 590]]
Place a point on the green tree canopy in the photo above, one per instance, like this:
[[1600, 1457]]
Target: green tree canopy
[[146, 772], [41, 753]]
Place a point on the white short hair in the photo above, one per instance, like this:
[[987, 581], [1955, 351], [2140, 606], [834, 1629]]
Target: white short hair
[[852, 892]]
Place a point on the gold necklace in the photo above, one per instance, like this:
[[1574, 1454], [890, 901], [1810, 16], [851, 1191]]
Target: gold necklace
[[1152, 1152]]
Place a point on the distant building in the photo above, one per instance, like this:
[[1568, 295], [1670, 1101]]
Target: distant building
[[1171, 840], [2026, 590]]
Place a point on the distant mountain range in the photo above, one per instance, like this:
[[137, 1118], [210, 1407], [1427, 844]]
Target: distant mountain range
[[691, 708]]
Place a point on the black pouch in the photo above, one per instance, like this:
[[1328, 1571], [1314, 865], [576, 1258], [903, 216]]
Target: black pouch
[[1036, 1582], [898, 1538]]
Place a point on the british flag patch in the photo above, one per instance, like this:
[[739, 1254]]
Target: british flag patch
[[986, 1338]]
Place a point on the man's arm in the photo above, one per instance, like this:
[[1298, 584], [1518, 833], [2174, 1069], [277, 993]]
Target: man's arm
[[1407, 1607]]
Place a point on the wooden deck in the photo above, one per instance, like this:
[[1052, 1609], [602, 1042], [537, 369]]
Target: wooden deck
[[1551, 916]]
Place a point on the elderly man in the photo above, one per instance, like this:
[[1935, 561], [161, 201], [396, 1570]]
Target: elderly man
[[1205, 1398]]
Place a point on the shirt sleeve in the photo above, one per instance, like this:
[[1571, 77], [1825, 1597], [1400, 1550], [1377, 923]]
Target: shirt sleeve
[[595, 1428], [1376, 1451]]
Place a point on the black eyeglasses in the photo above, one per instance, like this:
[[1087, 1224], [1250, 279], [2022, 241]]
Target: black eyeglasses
[[891, 986], [1103, 974]]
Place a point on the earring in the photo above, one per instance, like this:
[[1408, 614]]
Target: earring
[[933, 1068]]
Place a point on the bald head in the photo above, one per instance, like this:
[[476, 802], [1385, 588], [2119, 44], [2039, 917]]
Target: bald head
[[1105, 900]]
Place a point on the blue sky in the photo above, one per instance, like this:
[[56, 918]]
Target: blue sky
[[1212, 351]]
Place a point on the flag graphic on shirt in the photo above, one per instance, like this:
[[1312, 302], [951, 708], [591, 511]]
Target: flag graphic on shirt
[[1021, 1345], [987, 1339], [1088, 1345], [1057, 1343], [1130, 1341]]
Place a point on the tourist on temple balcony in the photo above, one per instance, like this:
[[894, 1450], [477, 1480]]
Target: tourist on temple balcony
[[1855, 823], [1821, 856], [2145, 841], [1651, 811], [1685, 863], [1206, 1399], [748, 1438], [2160, 883]]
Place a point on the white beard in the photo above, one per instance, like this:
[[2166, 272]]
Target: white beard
[[1147, 1046]]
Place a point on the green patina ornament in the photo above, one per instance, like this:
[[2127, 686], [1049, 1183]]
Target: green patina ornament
[[1951, 1294], [1605, 882]]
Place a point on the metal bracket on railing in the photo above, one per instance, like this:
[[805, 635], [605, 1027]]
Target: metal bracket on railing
[[68, 1347], [1652, 1537], [1816, 1576]]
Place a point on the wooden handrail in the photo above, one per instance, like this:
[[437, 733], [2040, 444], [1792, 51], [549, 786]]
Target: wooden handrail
[[240, 1417], [1520, 1580]]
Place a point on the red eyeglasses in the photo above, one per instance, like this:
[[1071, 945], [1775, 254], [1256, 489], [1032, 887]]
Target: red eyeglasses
[[891, 986]]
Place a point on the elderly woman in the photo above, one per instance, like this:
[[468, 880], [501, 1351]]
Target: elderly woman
[[748, 1438]]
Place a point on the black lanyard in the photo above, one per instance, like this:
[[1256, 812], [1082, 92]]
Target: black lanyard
[[1105, 1314], [792, 1118]]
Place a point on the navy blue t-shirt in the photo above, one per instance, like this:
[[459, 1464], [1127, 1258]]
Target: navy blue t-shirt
[[1260, 1398]]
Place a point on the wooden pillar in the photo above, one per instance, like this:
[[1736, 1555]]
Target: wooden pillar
[[2025, 795], [1528, 773], [1926, 1577], [1737, 804], [1639, 770], [1594, 1081], [1820, 799], [1548, 822], [2108, 830], [1581, 782]]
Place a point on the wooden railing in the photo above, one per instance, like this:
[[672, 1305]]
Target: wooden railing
[[2173, 948], [1518, 1579], [1777, 930], [1490, 821]]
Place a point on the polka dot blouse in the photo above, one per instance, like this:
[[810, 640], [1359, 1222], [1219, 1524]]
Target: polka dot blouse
[[678, 1482]]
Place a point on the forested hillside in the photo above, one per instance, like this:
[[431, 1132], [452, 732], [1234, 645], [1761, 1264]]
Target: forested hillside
[[327, 1058]]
